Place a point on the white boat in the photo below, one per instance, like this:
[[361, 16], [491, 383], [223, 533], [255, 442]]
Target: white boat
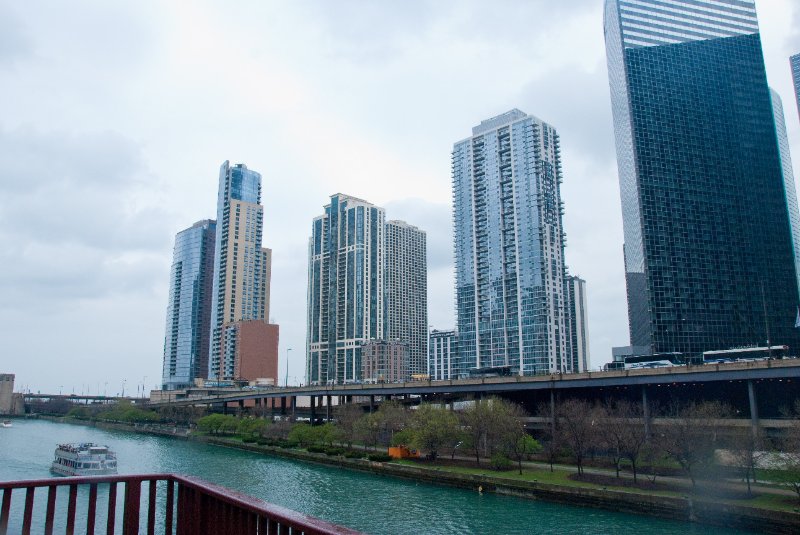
[[5, 423], [85, 459]]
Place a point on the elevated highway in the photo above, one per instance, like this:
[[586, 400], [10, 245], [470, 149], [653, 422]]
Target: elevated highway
[[750, 387]]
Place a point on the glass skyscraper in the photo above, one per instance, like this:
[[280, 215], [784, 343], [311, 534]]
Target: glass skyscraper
[[795, 63], [345, 288], [241, 266], [709, 249], [509, 247], [186, 341]]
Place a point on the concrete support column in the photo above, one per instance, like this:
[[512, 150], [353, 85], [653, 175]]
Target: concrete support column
[[313, 410], [751, 394], [371, 404], [294, 407], [283, 406], [328, 409], [552, 413], [646, 412]]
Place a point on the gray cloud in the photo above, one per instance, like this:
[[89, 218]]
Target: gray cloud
[[15, 45], [75, 218]]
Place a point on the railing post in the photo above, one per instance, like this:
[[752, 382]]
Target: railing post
[[169, 512], [51, 509], [130, 513], [92, 510], [73, 498], [112, 509], [28, 515], [4, 511], [151, 508]]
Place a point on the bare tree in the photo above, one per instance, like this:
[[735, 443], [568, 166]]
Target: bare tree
[[552, 442], [368, 429], [347, 417], [690, 436], [747, 449], [476, 421], [490, 424], [790, 457], [621, 430], [577, 420]]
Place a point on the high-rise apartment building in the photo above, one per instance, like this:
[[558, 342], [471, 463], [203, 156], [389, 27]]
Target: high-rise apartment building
[[709, 254], [509, 246], [442, 355], [345, 288], [577, 323], [186, 341], [795, 63], [407, 291], [241, 266], [384, 361]]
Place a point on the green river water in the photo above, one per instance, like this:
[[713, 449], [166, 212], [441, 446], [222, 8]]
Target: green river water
[[370, 503]]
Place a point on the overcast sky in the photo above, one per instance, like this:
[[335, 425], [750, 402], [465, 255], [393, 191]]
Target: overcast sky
[[117, 115]]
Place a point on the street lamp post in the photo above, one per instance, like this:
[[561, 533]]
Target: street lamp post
[[286, 380]]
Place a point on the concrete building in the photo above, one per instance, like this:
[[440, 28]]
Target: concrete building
[[384, 361], [345, 288], [252, 346], [241, 266], [407, 291], [577, 323], [442, 355], [186, 342], [509, 247], [7, 393], [707, 222]]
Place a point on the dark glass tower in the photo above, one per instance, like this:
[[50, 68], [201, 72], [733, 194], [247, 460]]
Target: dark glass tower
[[709, 253]]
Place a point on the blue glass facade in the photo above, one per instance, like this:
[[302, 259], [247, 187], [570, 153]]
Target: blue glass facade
[[186, 342], [794, 61], [240, 283], [345, 288], [706, 212], [509, 246]]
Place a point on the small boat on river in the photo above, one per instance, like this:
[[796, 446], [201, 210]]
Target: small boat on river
[[6, 423], [84, 459]]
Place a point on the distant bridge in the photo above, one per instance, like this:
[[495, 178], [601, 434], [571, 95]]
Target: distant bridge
[[86, 399]]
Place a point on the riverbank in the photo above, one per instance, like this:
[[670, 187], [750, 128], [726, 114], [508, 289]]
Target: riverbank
[[725, 513]]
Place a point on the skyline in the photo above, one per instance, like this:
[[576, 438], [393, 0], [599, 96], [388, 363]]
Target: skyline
[[78, 126]]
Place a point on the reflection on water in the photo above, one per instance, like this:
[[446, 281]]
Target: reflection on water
[[367, 502]]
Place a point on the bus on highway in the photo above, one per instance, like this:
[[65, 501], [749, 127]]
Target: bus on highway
[[745, 354]]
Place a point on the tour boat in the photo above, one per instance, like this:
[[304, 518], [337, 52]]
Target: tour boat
[[84, 459], [5, 423]]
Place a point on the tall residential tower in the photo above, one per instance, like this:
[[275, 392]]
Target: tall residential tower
[[189, 309], [577, 323], [407, 292], [241, 266], [709, 252], [345, 288], [509, 247]]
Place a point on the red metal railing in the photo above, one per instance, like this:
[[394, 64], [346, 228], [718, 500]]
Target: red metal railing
[[201, 508]]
